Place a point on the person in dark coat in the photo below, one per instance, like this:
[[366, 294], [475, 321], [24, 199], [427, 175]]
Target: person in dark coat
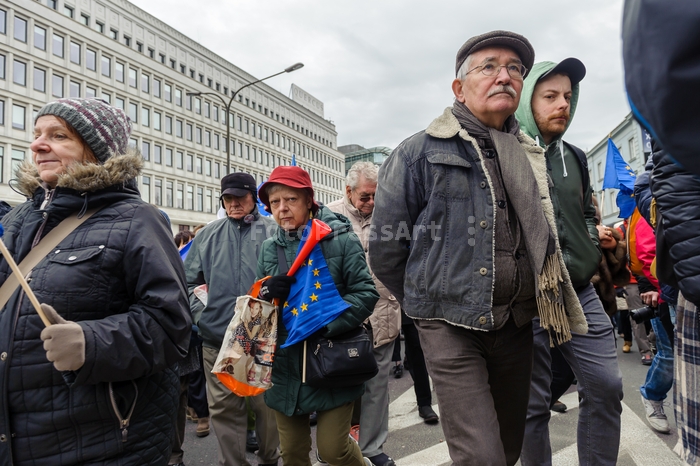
[[100, 385]]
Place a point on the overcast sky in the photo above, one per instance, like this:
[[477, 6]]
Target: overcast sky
[[383, 68]]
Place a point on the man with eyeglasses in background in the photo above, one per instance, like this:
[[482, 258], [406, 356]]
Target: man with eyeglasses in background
[[384, 323], [465, 241], [550, 95]]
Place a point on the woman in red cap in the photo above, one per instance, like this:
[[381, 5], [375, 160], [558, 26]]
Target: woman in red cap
[[289, 196]]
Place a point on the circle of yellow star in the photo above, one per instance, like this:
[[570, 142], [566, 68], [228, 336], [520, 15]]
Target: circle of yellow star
[[313, 297], [304, 307]]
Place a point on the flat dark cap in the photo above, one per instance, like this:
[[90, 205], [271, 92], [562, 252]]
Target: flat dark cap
[[507, 39]]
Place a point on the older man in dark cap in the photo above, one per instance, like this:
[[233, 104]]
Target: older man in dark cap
[[466, 240], [223, 256]]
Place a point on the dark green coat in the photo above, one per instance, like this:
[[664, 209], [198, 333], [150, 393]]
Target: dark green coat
[[348, 267]]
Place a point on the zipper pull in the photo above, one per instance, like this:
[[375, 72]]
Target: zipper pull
[[318, 347], [330, 343], [125, 430]]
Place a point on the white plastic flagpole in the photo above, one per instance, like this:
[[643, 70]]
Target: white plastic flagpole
[[25, 286], [303, 366]]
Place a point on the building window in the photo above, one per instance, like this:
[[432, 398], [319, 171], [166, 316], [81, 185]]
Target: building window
[[57, 45], [17, 160], [39, 38], [180, 195], [106, 67], [57, 86], [119, 71], [207, 167], [172, 63], [156, 121], [114, 34], [167, 92], [20, 29], [206, 109], [190, 198], [168, 124], [84, 19], [127, 41], [132, 77], [183, 69], [215, 113], [198, 105], [146, 188], [168, 157], [139, 47], [145, 81], [190, 162], [157, 154], [119, 103], [207, 138], [188, 131], [178, 97], [68, 11], [217, 170], [198, 135], [106, 97], [146, 150], [157, 192], [133, 112], [191, 73], [199, 165], [161, 57], [75, 53], [3, 22], [53, 4], [74, 89], [201, 78], [178, 128], [145, 116], [168, 194], [209, 204], [39, 80], [18, 119], [99, 27], [156, 88], [179, 159], [2, 160], [200, 199], [188, 102], [90, 59], [19, 73]]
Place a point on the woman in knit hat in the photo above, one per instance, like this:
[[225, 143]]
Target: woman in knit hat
[[100, 385], [289, 196]]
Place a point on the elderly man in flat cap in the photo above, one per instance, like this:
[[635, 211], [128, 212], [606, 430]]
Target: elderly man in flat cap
[[465, 238]]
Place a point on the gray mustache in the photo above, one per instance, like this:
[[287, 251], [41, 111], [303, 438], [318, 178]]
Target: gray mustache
[[508, 89]]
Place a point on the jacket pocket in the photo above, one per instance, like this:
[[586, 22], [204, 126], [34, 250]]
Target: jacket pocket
[[73, 270], [450, 174]]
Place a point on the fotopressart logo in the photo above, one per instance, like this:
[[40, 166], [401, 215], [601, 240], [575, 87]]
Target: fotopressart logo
[[472, 231]]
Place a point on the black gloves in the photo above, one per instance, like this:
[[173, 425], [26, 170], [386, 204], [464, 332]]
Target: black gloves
[[277, 287]]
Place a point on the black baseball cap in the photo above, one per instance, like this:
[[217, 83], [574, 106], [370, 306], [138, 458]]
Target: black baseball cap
[[238, 184], [571, 67]]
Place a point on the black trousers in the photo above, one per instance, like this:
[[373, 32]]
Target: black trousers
[[415, 360]]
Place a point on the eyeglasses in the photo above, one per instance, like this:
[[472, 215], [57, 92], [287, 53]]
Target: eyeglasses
[[515, 70], [365, 197]]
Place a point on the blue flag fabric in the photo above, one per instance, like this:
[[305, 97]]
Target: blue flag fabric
[[294, 161], [313, 301], [619, 175], [261, 206], [185, 250]]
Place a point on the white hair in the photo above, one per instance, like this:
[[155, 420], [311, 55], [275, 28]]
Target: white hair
[[366, 170], [466, 66]]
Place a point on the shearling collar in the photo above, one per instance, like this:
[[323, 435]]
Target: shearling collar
[[89, 177]]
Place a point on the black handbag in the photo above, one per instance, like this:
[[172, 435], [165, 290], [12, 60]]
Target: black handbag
[[345, 360]]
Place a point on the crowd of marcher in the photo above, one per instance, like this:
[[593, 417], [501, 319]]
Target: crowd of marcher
[[479, 239]]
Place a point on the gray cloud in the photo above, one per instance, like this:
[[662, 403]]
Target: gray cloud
[[383, 68]]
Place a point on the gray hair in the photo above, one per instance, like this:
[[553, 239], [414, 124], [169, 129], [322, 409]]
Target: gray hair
[[366, 170], [466, 66]]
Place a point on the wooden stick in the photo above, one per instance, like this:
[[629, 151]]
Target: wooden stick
[[303, 366], [23, 282]]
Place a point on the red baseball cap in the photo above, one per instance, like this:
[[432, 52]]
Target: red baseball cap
[[291, 176]]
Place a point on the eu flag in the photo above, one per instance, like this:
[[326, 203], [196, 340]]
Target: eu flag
[[313, 301], [294, 160], [619, 175], [261, 206]]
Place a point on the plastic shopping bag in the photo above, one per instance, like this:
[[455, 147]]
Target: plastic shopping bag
[[245, 359]]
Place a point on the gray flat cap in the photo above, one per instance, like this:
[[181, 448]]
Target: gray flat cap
[[507, 39]]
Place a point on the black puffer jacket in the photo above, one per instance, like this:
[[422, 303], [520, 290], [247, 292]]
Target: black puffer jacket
[[677, 193], [120, 277]]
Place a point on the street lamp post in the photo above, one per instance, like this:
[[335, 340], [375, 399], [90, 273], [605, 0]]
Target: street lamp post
[[227, 106]]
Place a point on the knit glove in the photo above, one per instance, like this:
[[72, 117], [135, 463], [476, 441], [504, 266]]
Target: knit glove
[[277, 287], [64, 341]]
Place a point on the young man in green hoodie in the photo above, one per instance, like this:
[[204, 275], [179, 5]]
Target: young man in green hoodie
[[548, 103]]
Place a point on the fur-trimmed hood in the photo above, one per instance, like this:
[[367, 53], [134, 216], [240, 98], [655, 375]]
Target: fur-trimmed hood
[[87, 177], [447, 126]]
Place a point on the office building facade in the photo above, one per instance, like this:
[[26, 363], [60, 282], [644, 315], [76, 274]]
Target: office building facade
[[113, 50]]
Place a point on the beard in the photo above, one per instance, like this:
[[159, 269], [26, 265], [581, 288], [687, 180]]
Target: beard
[[549, 127]]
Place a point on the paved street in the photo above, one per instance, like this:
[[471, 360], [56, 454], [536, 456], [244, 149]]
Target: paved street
[[413, 443]]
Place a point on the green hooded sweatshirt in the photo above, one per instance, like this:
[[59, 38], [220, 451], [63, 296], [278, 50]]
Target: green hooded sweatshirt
[[573, 207]]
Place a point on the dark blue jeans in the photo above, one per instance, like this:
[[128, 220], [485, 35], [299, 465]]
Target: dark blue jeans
[[660, 375]]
